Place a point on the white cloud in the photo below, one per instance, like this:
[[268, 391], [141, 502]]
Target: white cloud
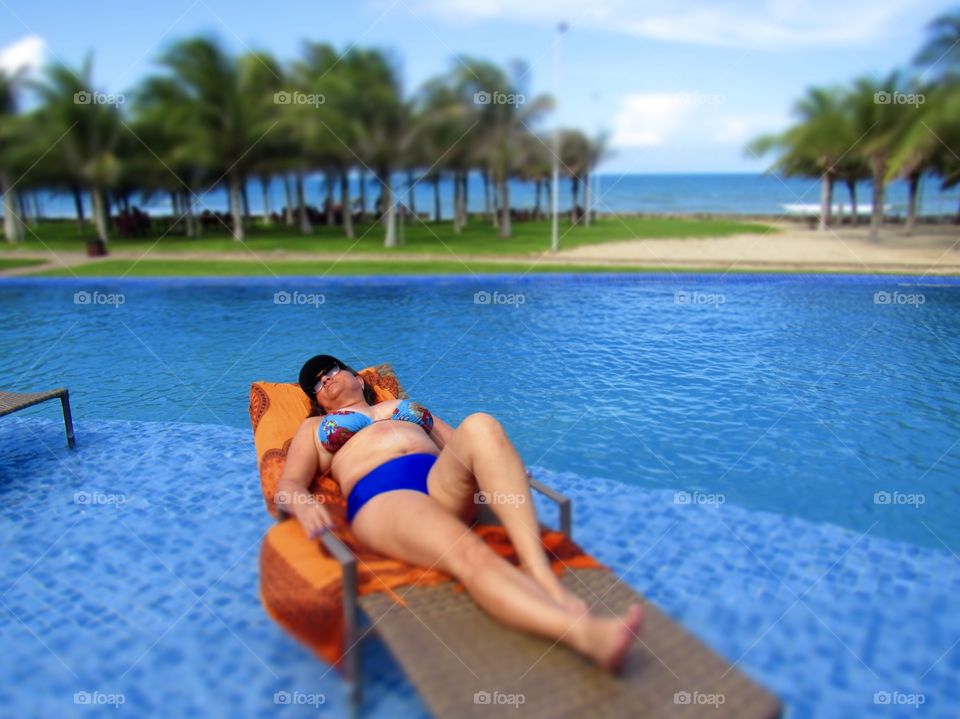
[[682, 119], [736, 23], [27, 54], [648, 118], [736, 129]]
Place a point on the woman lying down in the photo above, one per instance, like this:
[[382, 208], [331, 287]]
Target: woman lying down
[[410, 480]]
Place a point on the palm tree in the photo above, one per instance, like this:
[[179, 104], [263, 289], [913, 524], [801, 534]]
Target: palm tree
[[334, 131], [920, 138], [504, 117], [923, 143], [160, 128], [79, 130], [877, 120], [262, 77], [817, 145], [226, 105], [379, 121], [941, 52], [597, 150], [304, 119], [11, 139], [444, 132], [574, 157], [536, 167]]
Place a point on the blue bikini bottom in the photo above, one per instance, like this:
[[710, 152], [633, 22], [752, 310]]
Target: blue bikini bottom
[[408, 471]]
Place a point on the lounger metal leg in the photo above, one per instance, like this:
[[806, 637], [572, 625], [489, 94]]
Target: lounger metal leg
[[351, 635], [563, 502], [68, 418]]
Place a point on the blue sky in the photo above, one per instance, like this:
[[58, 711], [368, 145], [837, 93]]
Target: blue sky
[[679, 88]]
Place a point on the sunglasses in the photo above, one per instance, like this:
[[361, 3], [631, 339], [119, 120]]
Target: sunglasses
[[332, 371]]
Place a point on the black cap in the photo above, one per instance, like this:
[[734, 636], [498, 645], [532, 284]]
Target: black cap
[[312, 369]]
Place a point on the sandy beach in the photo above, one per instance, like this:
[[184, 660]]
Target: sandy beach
[[794, 247]]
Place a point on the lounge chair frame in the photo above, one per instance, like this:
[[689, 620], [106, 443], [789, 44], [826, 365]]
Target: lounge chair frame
[[14, 401]]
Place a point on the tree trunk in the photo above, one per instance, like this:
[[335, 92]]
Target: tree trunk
[[465, 196], [175, 201], [574, 195], [265, 186], [100, 215], [236, 205], [852, 189], [305, 227], [186, 201], [363, 195], [246, 202], [913, 182], [826, 194], [288, 196], [410, 192], [12, 225], [21, 201], [389, 216], [586, 199], [436, 198], [78, 205], [536, 202], [347, 210], [876, 217], [329, 179], [505, 228], [37, 208], [456, 202], [487, 214]]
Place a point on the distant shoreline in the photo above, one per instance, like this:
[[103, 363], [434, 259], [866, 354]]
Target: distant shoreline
[[735, 194]]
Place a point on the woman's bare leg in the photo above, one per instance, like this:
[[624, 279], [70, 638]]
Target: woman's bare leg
[[413, 527], [479, 457], [503, 591]]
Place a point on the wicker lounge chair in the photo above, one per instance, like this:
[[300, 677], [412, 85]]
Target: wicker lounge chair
[[466, 664], [13, 401]]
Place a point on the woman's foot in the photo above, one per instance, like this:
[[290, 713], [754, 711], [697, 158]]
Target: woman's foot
[[607, 641]]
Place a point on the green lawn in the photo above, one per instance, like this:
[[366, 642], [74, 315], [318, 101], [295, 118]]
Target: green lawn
[[8, 263], [201, 268], [319, 268], [478, 238]]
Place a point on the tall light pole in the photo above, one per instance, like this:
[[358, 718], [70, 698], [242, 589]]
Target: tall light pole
[[554, 194]]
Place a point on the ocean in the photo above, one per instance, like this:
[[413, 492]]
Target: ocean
[[683, 194]]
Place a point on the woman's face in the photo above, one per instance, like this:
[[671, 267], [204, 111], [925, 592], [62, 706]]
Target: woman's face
[[344, 388]]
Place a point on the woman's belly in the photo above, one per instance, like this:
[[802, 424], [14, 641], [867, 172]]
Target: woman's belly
[[374, 445]]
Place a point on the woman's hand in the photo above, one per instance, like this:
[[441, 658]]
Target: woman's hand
[[308, 510], [313, 517]]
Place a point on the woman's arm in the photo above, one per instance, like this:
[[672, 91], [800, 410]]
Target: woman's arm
[[441, 432], [293, 496]]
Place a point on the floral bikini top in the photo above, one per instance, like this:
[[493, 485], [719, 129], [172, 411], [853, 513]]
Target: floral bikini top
[[337, 427]]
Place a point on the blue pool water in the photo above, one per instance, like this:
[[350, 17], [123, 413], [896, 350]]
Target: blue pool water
[[820, 419]]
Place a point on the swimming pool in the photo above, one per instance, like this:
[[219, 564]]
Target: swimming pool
[[783, 450]]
